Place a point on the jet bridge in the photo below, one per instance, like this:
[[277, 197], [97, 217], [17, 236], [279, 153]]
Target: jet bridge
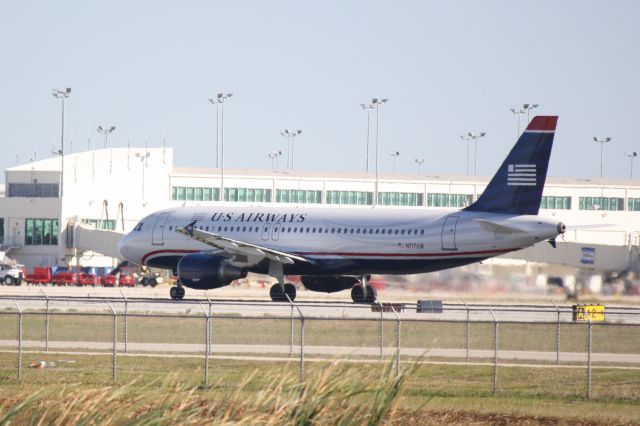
[[87, 238]]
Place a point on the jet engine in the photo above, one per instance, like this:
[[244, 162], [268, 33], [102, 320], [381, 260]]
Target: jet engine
[[204, 271], [328, 283]]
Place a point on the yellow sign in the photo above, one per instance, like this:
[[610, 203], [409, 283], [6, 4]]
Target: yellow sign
[[588, 313]]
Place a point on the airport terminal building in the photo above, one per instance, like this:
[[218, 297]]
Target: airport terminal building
[[71, 211]]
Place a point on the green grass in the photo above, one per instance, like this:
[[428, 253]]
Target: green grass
[[169, 390]]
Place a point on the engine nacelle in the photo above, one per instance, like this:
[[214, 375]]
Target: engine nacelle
[[328, 283], [204, 271]]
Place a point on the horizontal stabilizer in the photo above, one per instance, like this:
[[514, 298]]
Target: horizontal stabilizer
[[497, 227]]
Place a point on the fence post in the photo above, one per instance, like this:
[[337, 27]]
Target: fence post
[[291, 339], [381, 328], [46, 322], [589, 342], [206, 346], [115, 341], [126, 321], [210, 332], [397, 340], [468, 330], [19, 341], [557, 334], [495, 353], [301, 336]]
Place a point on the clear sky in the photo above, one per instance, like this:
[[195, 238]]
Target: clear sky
[[447, 67]]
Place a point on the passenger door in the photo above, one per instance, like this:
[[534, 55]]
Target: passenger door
[[157, 235], [449, 233]]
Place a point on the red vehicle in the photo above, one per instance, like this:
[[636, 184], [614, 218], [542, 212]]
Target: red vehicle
[[65, 276], [87, 278], [40, 275], [109, 280], [127, 280]]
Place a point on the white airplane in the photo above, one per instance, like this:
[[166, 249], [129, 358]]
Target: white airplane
[[335, 249]]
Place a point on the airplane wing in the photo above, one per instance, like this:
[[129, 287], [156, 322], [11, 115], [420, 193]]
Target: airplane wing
[[236, 247]]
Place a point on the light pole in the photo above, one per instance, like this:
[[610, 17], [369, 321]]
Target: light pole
[[528, 108], [601, 141], [419, 162], [106, 131], [518, 112], [632, 156], [274, 155], [219, 102], [394, 155], [368, 108], [468, 140], [143, 161], [473, 137], [290, 134], [375, 103], [62, 95]]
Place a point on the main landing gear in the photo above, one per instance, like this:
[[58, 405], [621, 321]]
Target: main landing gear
[[177, 292], [278, 296], [280, 290], [363, 292]]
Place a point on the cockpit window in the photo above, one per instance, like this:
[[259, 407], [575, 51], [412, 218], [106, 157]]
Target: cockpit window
[[138, 227]]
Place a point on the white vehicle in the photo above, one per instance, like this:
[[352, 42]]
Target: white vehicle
[[335, 249], [10, 275]]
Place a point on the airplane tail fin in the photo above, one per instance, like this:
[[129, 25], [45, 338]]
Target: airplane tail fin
[[517, 186]]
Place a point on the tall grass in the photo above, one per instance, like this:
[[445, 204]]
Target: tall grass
[[335, 395]]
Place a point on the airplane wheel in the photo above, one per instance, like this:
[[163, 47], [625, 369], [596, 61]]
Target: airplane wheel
[[290, 290], [176, 293], [275, 292], [152, 282], [358, 294], [372, 294]]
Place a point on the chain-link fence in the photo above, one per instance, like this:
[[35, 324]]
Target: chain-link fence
[[460, 347]]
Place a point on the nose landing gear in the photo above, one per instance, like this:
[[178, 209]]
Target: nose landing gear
[[363, 292], [177, 292]]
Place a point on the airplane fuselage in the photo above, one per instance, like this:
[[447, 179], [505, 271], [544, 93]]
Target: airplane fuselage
[[337, 240]]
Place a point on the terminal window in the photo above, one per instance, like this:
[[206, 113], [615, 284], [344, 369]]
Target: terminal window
[[298, 196], [601, 203], [633, 204], [400, 199], [1, 230], [555, 203], [33, 190], [448, 200], [41, 232], [350, 197], [183, 193], [101, 224], [249, 195]]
